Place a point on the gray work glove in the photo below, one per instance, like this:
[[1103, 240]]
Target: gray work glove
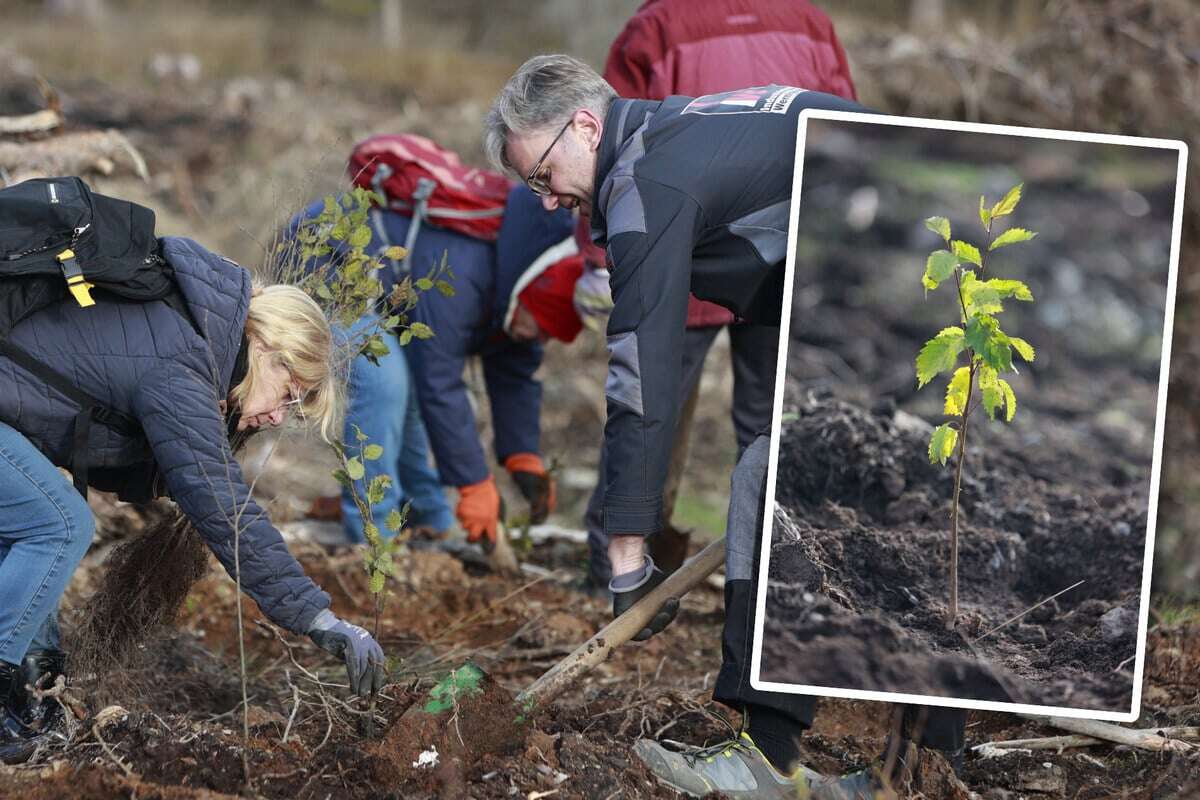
[[362, 654], [630, 587]]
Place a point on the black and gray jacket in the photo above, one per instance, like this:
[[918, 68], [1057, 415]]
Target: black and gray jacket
[[692, 195]]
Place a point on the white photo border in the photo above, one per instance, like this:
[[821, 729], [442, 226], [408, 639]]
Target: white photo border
[[1159, 426]]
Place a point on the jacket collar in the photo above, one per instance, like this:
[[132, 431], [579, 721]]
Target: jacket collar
[[621, 122], [217, 292]]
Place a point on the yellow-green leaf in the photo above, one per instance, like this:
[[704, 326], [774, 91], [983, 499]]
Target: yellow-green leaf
[[1010, 288], [1012, 236], [940, 226], [983, 335], [987, 376], [395, 252], [985, 215], [372, 452], [956, 392], [938, 267], [424, 284], [939, 355], [1023, 348], [967, 252], [941, 444], [992, 399], [355, 469], [421, 330], [340, 229], [377, 579], [394, 521], [1010, 400], [375, 346], [360, 236], [1009, 202], [978, 296]]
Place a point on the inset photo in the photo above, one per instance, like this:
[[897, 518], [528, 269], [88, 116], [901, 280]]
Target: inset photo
[[969, 415]]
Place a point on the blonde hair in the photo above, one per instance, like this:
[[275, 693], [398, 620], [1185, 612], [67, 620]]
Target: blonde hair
[[292, 328]]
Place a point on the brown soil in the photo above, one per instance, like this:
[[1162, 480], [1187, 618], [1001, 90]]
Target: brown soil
[[218, 174], [183, 736], [857, 579]]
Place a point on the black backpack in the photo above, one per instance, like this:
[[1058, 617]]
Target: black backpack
[[59, 241]]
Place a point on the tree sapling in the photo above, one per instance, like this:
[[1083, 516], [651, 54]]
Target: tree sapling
[[328, 254], [988, 349]]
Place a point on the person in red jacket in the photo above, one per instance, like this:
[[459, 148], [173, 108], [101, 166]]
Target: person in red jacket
[[683, 47]]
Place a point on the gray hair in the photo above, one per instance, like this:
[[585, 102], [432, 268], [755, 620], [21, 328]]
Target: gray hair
[[543, 93]]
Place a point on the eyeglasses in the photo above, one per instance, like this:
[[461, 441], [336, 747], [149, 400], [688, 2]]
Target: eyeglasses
[[295, 400], [540, 184]]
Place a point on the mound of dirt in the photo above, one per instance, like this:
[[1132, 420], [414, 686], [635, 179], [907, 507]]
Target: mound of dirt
[[467, 715], [858, 582]]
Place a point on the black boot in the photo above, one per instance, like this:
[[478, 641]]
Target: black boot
[[15, 746], [24, 720], [41, 669]]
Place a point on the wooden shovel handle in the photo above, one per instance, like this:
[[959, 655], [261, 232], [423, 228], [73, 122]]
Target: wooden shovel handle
[[622, 629]]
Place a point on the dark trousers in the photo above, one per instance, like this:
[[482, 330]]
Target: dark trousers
[[931, 726], [753, 351]]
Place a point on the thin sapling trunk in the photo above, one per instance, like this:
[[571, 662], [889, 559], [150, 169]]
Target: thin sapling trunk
[[988, 350]]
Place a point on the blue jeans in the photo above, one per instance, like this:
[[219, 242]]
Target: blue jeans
[[384, 406], [45, 528]]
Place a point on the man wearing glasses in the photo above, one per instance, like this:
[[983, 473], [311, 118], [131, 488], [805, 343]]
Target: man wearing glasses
[[685, 195]]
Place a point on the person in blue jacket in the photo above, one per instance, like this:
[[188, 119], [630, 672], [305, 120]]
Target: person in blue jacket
[[510, 296], [234, 357], [382, 406]]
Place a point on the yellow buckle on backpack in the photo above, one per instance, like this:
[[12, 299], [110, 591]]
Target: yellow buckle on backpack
[[76, 283]]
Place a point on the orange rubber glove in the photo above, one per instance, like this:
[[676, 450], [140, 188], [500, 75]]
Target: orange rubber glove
[[535, 484], [479, 511]]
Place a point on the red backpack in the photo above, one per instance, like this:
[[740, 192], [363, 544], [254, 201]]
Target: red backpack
[[419, 178]]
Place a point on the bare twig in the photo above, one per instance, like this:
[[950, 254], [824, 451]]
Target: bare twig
[[1151, 739], [37, 122], [129, 773], [1060, 743], [295, 705], [1026, 611]]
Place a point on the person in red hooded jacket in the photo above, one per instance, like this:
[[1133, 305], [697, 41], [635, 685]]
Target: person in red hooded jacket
[[683, 47]]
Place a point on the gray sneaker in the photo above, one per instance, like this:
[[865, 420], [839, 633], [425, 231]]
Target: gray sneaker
[[861, 785], [735, 768]]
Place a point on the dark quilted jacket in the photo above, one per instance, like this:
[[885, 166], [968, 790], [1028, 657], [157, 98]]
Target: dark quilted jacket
[[147, 361]]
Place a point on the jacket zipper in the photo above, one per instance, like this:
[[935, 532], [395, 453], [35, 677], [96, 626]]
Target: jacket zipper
[[70, 244]]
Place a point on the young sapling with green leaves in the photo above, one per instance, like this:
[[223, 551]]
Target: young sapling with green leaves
[[977, 339], [347, 287]]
